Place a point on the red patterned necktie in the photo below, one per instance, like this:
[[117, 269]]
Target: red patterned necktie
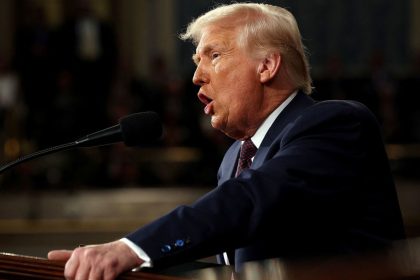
[[248, 151]]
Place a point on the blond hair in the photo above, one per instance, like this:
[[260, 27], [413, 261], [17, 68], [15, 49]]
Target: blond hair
[[264, 29]]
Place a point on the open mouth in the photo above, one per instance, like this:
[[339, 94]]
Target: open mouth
[[204, 98], [208, 109]]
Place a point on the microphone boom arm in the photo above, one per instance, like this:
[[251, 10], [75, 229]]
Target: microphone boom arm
[[50, 150], [132, 130]]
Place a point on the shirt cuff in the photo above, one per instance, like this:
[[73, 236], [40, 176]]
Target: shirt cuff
[[139, 252]]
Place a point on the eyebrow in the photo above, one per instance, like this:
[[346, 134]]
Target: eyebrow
[[195, 58]]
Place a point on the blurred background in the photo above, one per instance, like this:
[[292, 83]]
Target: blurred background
[[71, 67]]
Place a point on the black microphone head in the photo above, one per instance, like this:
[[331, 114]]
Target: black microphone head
[[141, 128]]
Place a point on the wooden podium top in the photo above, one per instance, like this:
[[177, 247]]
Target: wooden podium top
[[400, 262], [21, 267]]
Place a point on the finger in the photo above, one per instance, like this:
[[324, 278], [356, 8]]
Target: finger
[[72, 266], [83, 271], [85, 264], [59, 255]]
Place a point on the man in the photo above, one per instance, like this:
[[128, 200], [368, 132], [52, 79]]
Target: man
[[319, 183]]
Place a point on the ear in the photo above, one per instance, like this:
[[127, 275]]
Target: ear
[[269, 67]]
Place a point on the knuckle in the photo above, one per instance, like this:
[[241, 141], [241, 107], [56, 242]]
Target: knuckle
[[77, 252]]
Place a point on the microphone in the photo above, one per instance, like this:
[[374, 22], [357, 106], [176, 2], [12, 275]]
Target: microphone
[[134, 130]]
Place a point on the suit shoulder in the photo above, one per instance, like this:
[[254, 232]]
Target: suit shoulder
[[342, 105], [333, 115], [344, 108]]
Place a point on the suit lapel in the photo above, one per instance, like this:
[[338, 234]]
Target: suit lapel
[[286, 117], [229, 162]]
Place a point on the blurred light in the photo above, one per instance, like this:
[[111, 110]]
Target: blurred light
[[12, 148]]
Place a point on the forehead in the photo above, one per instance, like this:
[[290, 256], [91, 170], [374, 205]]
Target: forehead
[[216, 36]]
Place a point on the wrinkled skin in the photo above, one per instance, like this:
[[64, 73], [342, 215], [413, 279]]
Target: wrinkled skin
[[105, 261]]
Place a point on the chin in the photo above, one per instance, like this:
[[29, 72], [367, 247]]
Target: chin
[[216, 124]]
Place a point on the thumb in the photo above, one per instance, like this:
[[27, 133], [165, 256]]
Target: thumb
[[59, 255]]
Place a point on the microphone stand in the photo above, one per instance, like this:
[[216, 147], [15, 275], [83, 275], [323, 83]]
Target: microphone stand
[[103, 137], [126, 131], [47, 151]]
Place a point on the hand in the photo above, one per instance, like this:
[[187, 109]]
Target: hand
[[105, 261]]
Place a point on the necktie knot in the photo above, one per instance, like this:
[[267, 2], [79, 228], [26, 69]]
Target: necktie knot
[[248, 151]]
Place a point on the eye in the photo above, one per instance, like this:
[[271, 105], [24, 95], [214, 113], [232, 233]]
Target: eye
[[215, 55]]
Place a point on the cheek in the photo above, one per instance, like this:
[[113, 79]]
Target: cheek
[[220, 69], [237, 82]]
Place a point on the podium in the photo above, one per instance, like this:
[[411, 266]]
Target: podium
[[14, 267], [400, 262]]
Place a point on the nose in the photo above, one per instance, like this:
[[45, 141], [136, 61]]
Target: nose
[[200, 77]]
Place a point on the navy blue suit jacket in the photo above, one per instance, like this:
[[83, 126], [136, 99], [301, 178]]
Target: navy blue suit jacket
[[319, 185]]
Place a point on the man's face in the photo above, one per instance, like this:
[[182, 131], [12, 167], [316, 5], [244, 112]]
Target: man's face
[[229, 82]]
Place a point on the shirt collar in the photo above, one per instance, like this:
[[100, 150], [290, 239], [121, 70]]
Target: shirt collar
[[265, 126]]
